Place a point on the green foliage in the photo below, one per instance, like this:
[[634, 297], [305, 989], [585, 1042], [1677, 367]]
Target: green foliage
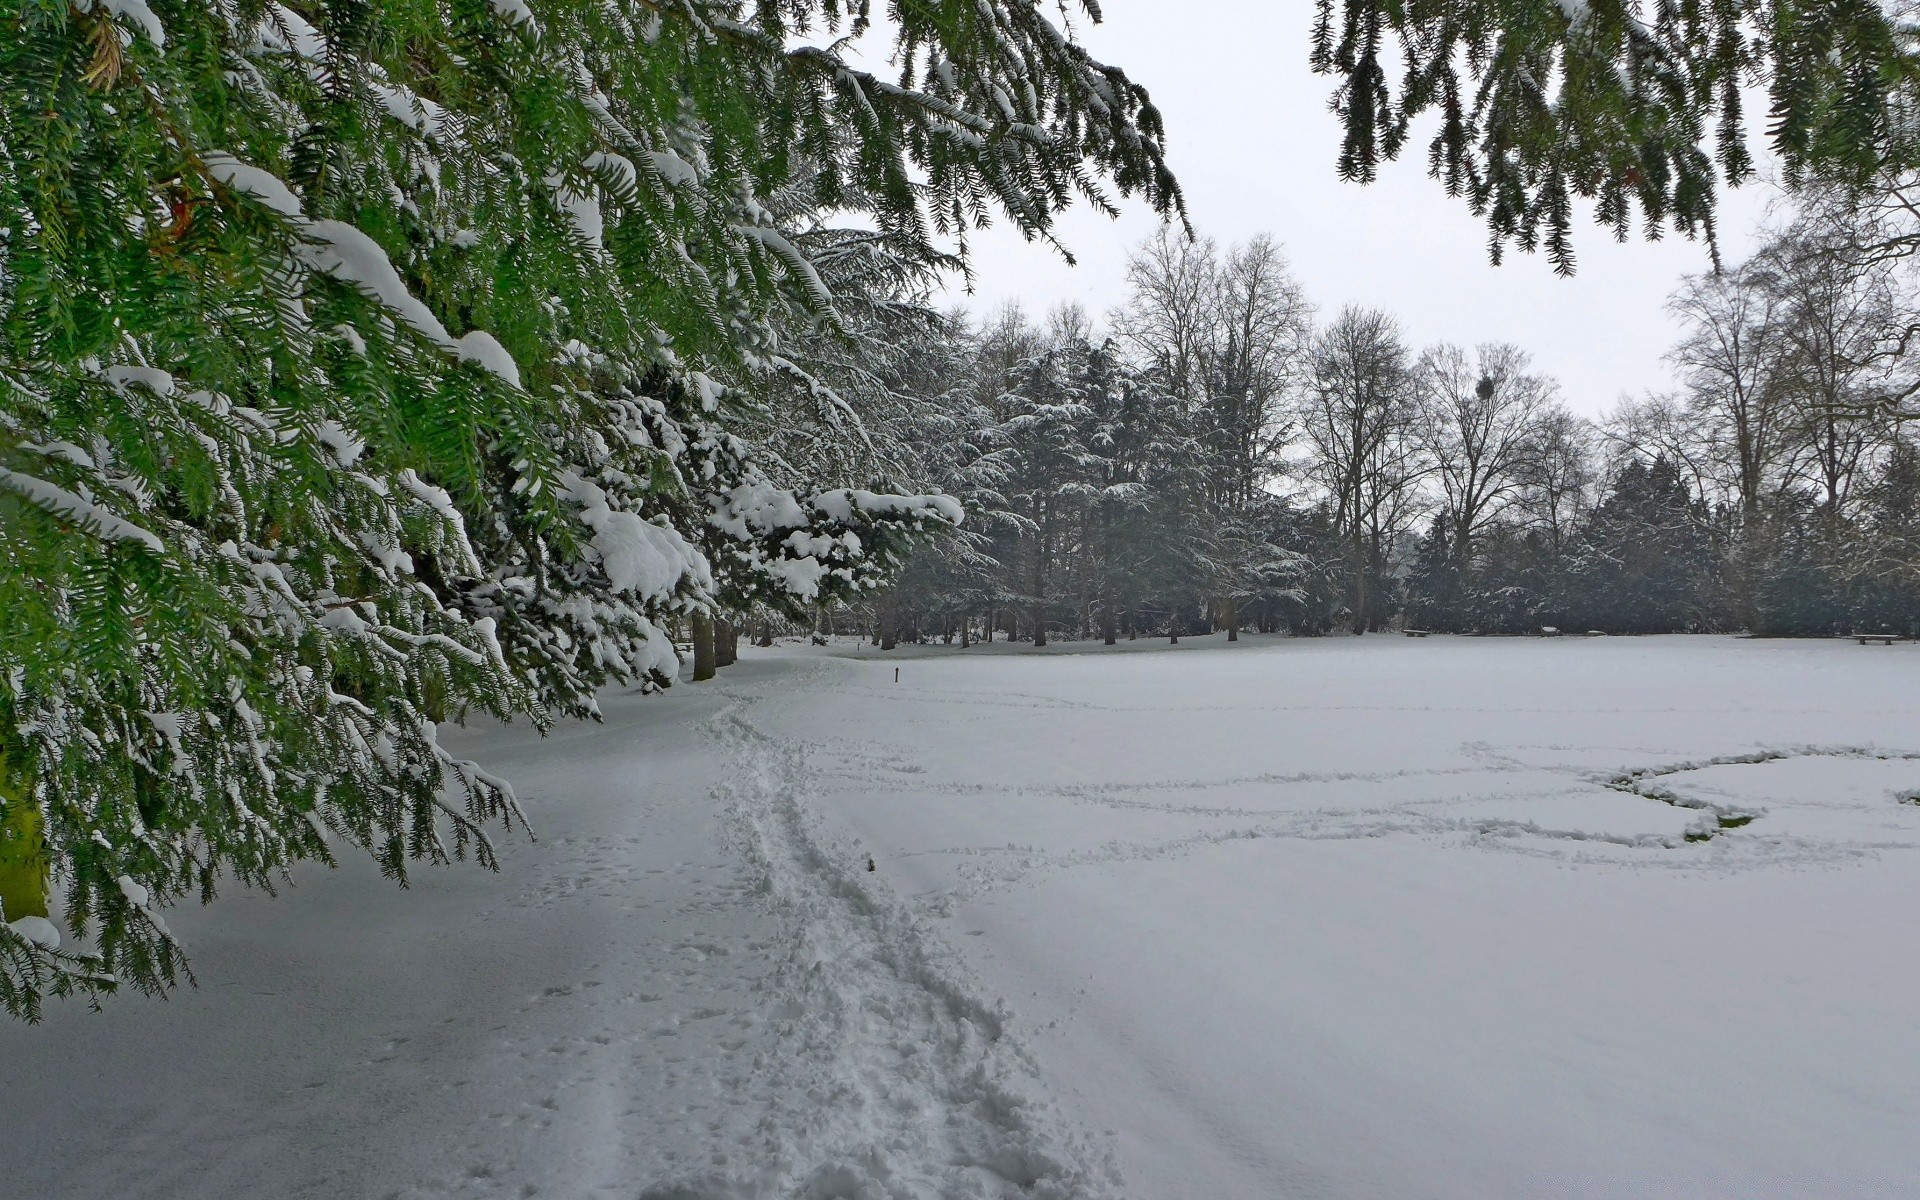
[[364, 363], [1636, 108]]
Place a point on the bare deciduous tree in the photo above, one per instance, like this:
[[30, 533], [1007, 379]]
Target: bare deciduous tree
[[1476, 423], [1557, 476], [1843, 340], [1730, 362], [1230, 334], [1356, 418]]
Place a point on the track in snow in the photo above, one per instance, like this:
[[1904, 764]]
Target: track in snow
[[887, 1077]]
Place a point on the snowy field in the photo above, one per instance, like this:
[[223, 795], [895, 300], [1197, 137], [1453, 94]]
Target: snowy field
[[1367, 917]]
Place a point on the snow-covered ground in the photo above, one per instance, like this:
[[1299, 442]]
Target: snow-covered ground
[[1348, 917]]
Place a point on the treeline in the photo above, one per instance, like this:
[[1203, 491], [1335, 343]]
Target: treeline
[[1220, 457]]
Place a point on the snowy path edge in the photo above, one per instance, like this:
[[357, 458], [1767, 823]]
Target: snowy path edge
[[893, 1077]]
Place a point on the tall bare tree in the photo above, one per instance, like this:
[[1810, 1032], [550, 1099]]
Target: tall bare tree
[[1845, 369], [1230, 334], [1170, 313], [1557, 476], [1731, 362], [1356, 419], [1476, 423]]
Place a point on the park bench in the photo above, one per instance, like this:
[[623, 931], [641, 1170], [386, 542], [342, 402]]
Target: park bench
[[1885, 639], [1418, 632]]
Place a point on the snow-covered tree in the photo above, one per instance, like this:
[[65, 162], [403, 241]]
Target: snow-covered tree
[[1638, 108], [366, 362]]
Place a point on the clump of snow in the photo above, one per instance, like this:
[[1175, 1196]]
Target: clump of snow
[[484, 350], [137, 12], [414, 111], [842, 504], [797, 264], [674, 169], [581, 208], [619, 165], [263, 186], [159, 382], [344, 620], [38, 931], [643, 559], [432, 495], [344, 252], [710, 392], [516, 12], [71, 506], [66, 452], [284, 31], [346, 448], [756, 507]]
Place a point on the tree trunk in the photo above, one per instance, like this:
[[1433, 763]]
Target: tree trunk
[[1039, 619], [23, 851], [889, 635], [765, 639], [726, 643], [1109, 620], [1040, 565], [703, 658], [1230, 612], [1360, 597]]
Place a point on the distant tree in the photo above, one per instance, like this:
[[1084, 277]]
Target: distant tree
[[1557, 477], [1884, 570], [1477, 423], [1730, 360], [1436, 588], [1843, 330], [1229, 334], [1801, 589], [1357, 418], [1643, 560]]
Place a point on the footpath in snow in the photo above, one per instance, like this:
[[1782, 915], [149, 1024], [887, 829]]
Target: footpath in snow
[[678, 992], [1349, 917]]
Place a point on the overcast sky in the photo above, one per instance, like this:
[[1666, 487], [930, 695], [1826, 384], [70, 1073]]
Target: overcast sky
[[1254, 147]]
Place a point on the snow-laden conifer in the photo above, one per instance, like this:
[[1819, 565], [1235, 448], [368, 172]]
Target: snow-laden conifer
[[364, 363]]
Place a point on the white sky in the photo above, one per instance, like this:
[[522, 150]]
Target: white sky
[[1254, 146]]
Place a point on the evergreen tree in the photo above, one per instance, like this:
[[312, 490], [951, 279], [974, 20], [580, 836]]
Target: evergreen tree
[[1801, 591], [1642, 562], [1436, 593], [1639, 109], [364, 363], [1884, 569]]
